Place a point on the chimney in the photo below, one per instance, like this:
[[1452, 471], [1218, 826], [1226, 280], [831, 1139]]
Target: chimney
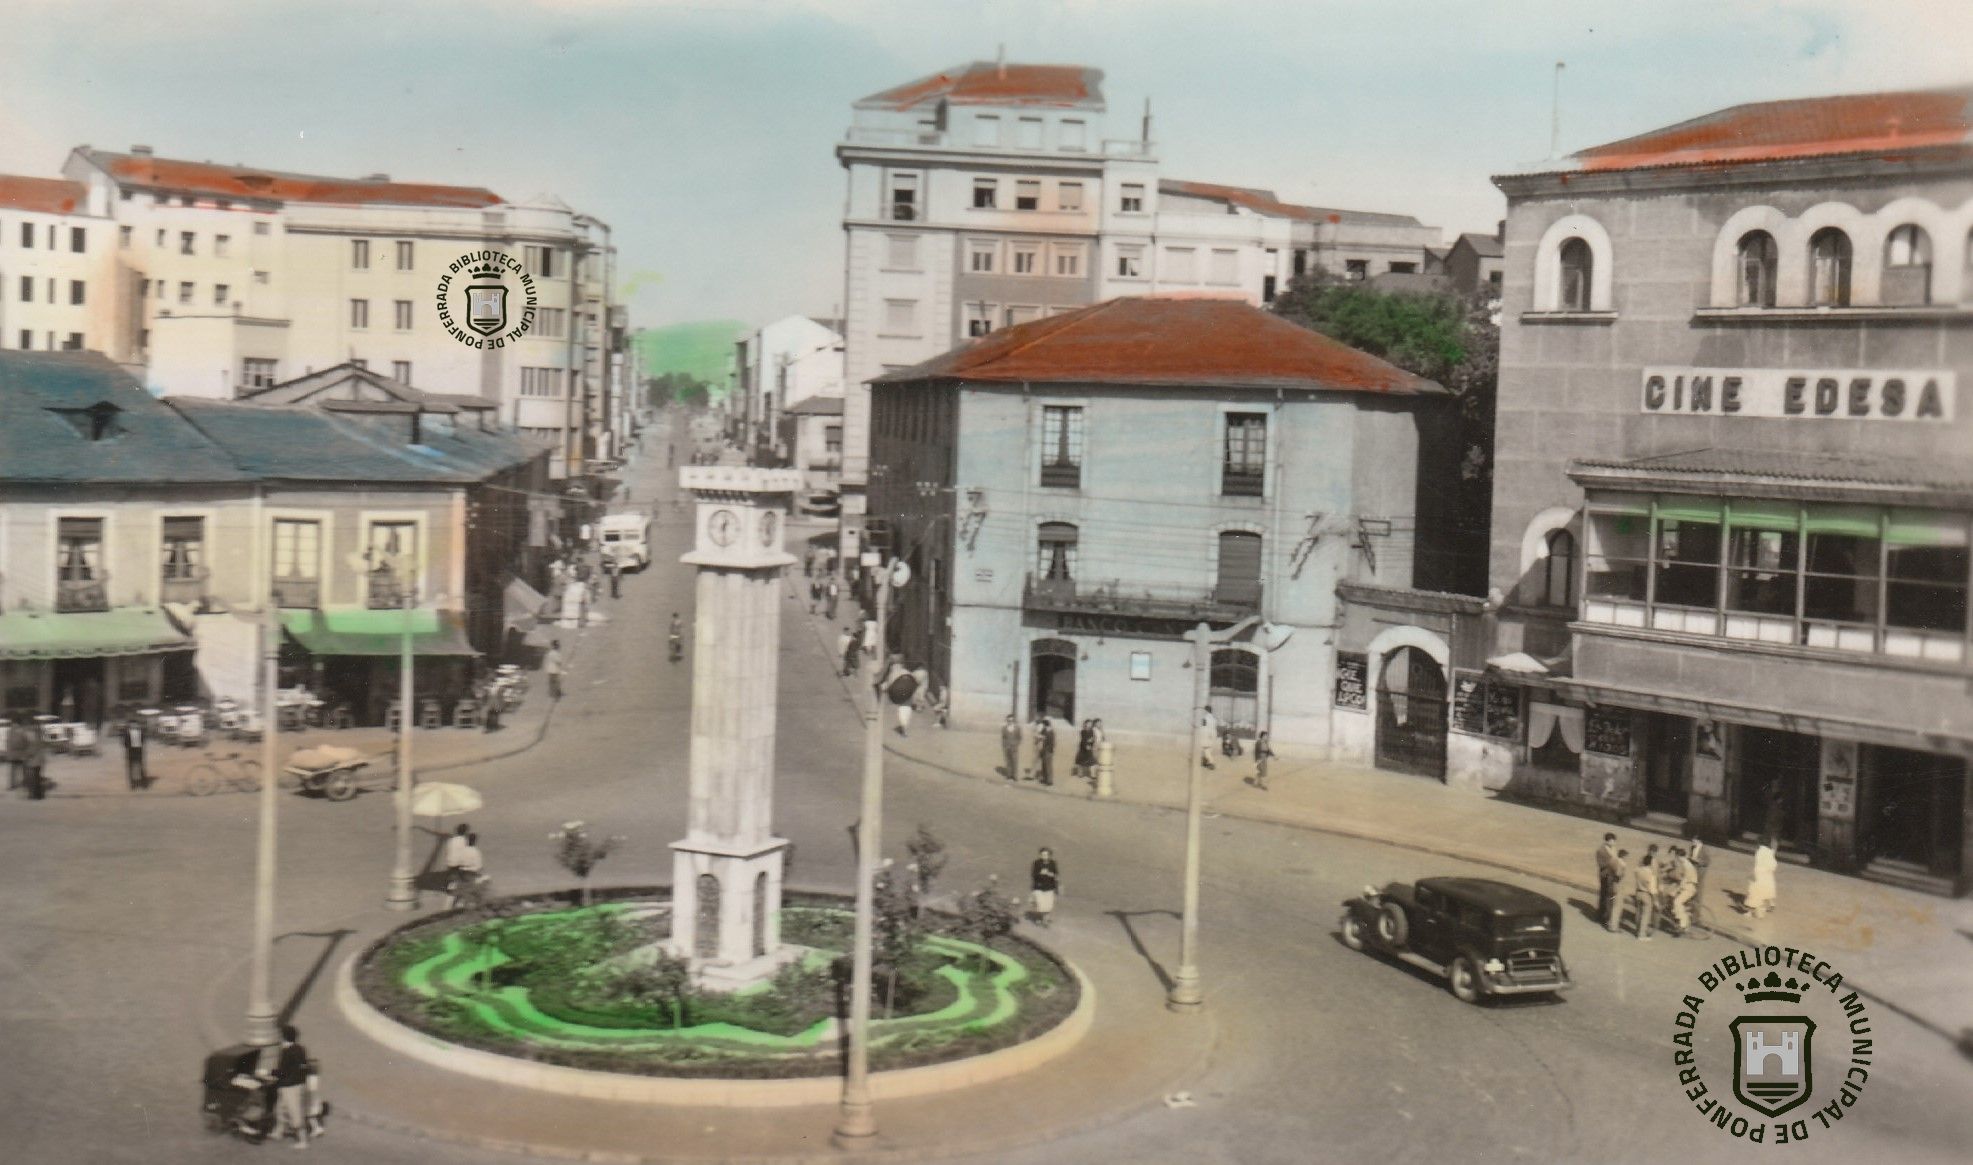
[[1000, 60], [376, 177], [1500, 231], [141, 151]]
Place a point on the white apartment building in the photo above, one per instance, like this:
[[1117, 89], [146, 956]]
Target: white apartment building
[[58, 276], [230, 278], [782, 364], [987, 195]]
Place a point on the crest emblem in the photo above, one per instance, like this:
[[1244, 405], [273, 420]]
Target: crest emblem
[[486, 302], [1771, 1061]]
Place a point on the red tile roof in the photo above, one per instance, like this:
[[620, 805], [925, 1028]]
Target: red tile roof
[[45, 195], [1182, 343], [1862, 123], [986, 83], [245, 182], [1265, 203]]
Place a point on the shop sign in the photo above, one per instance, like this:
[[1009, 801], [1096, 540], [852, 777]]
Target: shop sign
[[1469, 706], [1807, 394], [1838, 798], [1503, 720], [1352, 681], [1607, 731]]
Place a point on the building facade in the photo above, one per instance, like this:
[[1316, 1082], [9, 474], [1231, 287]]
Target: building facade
[[60, 286], [1734, 483], [777, 367]]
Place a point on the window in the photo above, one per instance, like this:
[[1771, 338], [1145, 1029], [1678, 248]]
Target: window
[[1754, 270], [1578, 266], [27, 235], [1356, 270], [185, 293], [260, 277], [1068, 259], [554, 322], [27, 340], [1068, 196], [185, 242], [392, 557], [1763, 551], [222, 245], [1181, 264], [1619, 556], [901, 317], [359, 254], [25, 242], [261, 228], [401, 314], [832, 439], [1558, 570], [1027, 194], [979, 319], [405, 254], [1074, 134], [400, 371], [1925, 579], [986, 130], [79, 575], [540, 260], [1130, 262], [1055, 552], [985, 192], [1907, 267], [184, 554], [901, 252], [1404, 268], [222, 294], [1030, 138], [1243, 468], [904, 197], [1061, 446], [1022, 315], [1131, 199], [256, 372], [123, 235], [73, 343], [979, 256], [541, 382], [78, 240], [1493, 284], [1687, 559], [1829, 269], [359, 313], [27, 291], [1225, 266], [1239, 569], [1024, 256]]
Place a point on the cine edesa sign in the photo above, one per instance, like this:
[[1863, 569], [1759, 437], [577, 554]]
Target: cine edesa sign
[[1806, 394]]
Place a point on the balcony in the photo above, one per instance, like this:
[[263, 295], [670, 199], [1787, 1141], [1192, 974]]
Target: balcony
[[1061, 475], [382, 591], [1225, 603], [190, 590], [301, 593], [82, 594]]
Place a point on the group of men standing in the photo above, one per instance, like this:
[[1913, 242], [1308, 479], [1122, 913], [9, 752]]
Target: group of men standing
[[1672, 883]]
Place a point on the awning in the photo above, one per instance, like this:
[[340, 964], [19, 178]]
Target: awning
[[523, 605], [361, 631], [89, 634]]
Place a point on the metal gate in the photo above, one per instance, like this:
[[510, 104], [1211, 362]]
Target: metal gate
[[1411, 714]]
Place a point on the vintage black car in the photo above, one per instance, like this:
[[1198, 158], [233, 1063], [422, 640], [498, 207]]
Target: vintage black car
[[1485, 937]]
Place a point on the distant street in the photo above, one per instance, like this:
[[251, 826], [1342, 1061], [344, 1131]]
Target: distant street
[[124, 910]]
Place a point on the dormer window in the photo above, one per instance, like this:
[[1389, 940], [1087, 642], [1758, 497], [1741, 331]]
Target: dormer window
[[98, 422]]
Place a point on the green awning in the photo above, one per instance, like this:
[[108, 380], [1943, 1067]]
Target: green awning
[[89, 634], [361, 631], [1755, 514], [1677, 508]]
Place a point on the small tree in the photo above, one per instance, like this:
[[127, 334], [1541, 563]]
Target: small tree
[[898, 928], [665, 980], [579, 851], [487, 915], [928, 858], [988, 914]]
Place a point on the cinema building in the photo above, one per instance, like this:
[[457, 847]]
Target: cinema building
[[1734, 486]]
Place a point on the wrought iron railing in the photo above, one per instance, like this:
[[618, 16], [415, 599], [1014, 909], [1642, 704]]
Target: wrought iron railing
[[1151, 601]]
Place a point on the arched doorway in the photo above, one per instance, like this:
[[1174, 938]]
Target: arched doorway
[[1411, 714], [1234, 695], [1053, 666]]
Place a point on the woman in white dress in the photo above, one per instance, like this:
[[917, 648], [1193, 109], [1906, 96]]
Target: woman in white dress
[[1760, 890]]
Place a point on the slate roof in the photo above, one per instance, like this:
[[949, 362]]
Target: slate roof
[[816, 406], [304, 444], [1264, 202], [1930, 474], [153, 443], [1180, 343], [386, 394], [44, 195], [146, 172], [990, 83], [1889, 125]]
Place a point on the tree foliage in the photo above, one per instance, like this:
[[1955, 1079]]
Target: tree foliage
[[681, 387]]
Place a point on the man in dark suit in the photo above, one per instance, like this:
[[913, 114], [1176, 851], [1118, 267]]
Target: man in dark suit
[[1609, 876]]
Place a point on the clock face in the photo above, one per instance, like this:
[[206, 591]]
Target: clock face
[[722, 526], [769, 523]]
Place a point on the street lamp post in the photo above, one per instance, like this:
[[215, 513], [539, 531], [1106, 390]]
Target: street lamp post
[[856, 1124], [403, 894], [1185, 994], [262, 1027]]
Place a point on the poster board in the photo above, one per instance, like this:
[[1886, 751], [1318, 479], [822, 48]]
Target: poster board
[[1607, 731], [1503, 710], [1352, 681], [1469, 706]]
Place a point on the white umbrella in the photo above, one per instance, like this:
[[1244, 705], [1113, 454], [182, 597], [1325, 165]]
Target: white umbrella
[[439, 799]]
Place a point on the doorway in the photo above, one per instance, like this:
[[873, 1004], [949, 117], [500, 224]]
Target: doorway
[[1053, 691], [78, 693], [1916, 809], [1411, 714], [1778, 777], [1668, 765]]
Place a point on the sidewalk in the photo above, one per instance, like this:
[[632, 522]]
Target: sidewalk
[[1900, 948]]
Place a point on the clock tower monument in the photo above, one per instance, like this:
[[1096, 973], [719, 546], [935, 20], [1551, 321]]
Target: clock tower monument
[[726, 870]]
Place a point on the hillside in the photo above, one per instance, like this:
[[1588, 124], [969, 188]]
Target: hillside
[[703, 350]]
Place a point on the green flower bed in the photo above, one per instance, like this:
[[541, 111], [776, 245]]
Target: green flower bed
[[546, 980]]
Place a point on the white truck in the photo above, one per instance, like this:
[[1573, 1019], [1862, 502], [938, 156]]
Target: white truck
[[627, 538]]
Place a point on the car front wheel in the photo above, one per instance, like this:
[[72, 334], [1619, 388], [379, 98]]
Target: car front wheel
[[1392, 926], [1464, 980], [1352, 928]]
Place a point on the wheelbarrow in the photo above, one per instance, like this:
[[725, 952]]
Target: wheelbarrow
[[334, 773]]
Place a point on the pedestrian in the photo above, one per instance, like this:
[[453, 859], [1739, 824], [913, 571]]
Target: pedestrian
[[133, 753], [491, 705], [1010, 748], [1044, 881], [1644, 893], [34, 756], [552, 664], [463, 864], [296, 1080], [846, 644], [1044, 751], [834, 592], [613, 567], [1684, 887], [1206, 737], [1760, 889], [1263, 753], [675, 637], [900, 685], [17, 731], [1609, 876], [939, 700], [869, 638], [1701, 857], [808, 567], [814, 595]]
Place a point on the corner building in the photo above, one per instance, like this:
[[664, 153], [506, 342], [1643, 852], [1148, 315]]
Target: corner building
[[1734, 483]]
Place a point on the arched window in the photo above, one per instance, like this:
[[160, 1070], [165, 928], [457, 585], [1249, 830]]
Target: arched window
[[1559, 570], [1577, 267], [1055, 552], [1907, 266], [1829, 268], [1758, 257]]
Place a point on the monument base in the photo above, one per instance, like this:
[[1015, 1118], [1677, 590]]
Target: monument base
[[726, 910], [709, 975]]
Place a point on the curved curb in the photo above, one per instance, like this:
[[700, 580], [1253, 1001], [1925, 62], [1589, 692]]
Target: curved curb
[[703, 1092]]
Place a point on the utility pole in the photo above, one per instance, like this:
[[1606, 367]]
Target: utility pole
[[403, 893], [856, 1124], [1185, 994], [1555, 115], [262, 1028]]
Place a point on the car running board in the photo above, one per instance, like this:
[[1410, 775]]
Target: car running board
[[1421, 962]]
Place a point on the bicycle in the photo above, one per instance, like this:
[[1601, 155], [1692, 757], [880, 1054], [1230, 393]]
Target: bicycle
[[232, 772]]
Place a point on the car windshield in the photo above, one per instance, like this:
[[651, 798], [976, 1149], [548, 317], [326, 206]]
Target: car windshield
[[1528, 924]]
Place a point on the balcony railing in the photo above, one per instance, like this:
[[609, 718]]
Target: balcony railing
[[1065, 475], [1226, 601], [383, 592], [183, 590], [305, 593], [82, 594]]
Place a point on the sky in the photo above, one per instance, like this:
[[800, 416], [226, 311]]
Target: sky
[[703, 130]]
